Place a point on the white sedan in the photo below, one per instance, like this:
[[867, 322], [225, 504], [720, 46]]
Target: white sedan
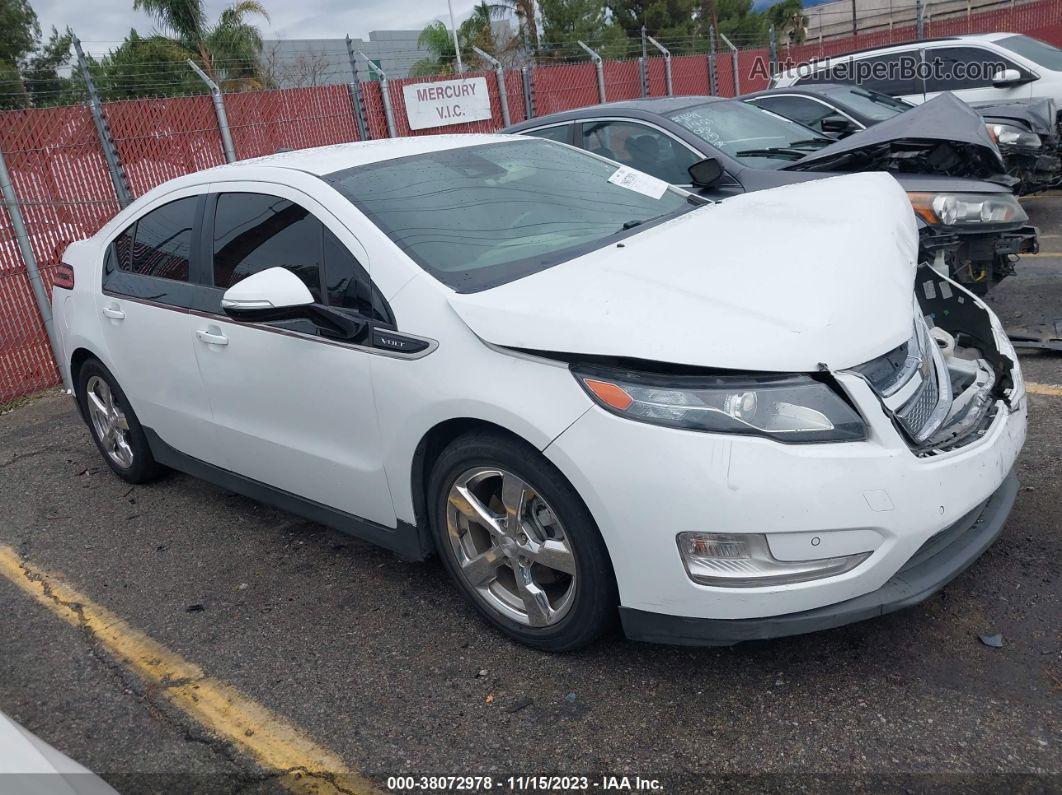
[[591, 394]]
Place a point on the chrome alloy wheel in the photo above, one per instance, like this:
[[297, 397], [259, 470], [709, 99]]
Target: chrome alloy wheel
[[109, 422], [510, 547]]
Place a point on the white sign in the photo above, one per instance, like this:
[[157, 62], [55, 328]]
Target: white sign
[[638, 181], [446, 103]]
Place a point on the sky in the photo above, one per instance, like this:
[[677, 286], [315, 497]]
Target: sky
[[102, 24]]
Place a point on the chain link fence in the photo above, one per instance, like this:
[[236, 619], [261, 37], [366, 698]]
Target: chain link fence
[[65, 190]]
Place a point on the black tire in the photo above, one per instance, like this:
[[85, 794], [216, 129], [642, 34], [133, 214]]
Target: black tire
[[143, 467], [593, 609]]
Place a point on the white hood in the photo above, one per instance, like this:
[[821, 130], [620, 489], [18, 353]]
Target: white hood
[[777, 280]]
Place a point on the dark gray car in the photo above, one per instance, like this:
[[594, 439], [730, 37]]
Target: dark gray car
[[971, 220], [1026, 131]]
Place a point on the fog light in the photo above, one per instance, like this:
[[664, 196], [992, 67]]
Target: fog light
[[744, 560]]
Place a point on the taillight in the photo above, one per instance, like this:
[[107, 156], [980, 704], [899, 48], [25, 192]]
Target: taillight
[[64, 276]]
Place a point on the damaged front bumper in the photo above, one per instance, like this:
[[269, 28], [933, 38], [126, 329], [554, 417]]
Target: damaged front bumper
[[976, 258]]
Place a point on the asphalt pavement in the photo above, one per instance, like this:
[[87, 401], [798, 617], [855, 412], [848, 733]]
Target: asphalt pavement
[[381, 663]]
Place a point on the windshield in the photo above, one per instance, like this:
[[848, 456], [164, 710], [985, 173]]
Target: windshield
[[479, 216], [870, 104], [751, 134], [1035, 50]]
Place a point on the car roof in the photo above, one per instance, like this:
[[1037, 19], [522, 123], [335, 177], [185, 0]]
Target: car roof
[[646, 105], [799, 88], [338, 157], [904, 45]]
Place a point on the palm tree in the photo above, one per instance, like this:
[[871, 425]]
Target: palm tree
[[438, 40], [789, 20], [524, 10], [228, 51]]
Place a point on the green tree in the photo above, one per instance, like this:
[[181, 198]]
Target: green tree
[[145, 66], [526, 18], [566, 22], [439, 41], [29, 69], [789, 21], [228, 50], [665, 19]]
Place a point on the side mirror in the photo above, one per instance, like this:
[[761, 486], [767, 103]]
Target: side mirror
[[278, 294], [705, 173], [838, 125], [1006, 77]]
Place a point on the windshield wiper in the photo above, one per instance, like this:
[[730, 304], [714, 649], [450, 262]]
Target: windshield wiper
[[631, 224], [774, 151]]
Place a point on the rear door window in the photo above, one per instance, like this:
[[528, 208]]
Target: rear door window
[[561, 133], [162, 242], [957, 68]]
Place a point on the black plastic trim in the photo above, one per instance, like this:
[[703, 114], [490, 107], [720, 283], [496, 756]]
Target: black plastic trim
[[409, 542], [940, 560]]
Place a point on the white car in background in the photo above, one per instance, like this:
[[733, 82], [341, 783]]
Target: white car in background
[[581, 387], [976, 68]]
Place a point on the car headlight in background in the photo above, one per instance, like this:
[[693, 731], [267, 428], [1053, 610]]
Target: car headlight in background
[[958, 209], [788, 408], [744, 560], [1009, 135]]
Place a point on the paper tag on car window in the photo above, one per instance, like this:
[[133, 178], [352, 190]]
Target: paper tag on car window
[[639, 182]]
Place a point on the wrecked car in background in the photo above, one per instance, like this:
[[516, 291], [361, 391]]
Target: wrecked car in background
[[972, 224], [1025, 131]]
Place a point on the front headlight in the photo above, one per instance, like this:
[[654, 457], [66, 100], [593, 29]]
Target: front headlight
[[959, 209], [789, 408], [1010, 135]]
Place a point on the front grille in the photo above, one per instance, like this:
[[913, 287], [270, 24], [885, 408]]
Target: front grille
[[917, 412]]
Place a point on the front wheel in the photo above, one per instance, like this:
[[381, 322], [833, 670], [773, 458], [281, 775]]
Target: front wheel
[[520, 543]]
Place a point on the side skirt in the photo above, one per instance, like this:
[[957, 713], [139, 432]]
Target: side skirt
[[407, 541]]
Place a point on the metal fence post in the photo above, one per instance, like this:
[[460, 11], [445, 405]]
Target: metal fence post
[[33, 273], [643, 66], [360, 119], [529, 91], [667, 62], [734, 57], [103, 130], [499, 75], [219, 110], [711, 61], [920, 19], [385, 93], [599, 67], [772, 50]]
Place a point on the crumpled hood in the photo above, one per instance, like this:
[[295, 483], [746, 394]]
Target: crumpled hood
[[1038, 112], [943, 118], [778, 280]]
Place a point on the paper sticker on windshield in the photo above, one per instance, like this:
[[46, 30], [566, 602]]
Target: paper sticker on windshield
[[637, 181]]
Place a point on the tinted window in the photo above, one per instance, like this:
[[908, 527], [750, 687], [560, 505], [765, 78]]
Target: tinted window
[[559, 134], [640, 147], [478, 216], [255, 231], [1035, 50], [871, 104], [162, 244], [956, 68], [802, 109], [890, 74], [348, 285], [122, 251]]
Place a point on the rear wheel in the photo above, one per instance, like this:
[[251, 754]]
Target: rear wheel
[[114, 426], [520, 543]]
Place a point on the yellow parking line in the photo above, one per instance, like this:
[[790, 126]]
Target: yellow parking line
[[1044, 389], [1044, 254], [252, 728]]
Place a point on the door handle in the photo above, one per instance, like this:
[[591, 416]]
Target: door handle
[[212, 339], [113, 312]]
